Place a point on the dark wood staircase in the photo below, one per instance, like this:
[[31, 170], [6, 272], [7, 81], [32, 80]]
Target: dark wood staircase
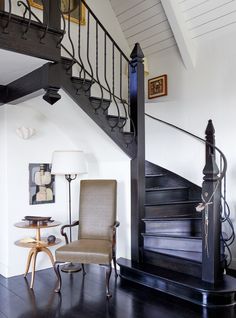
[[172, 242], [174, 249], [171, 239]]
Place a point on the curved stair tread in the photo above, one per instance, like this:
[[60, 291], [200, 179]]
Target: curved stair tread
[[174, 218], [155, 175], [192, 256], [174, 203], [166, 188], [181, 235]]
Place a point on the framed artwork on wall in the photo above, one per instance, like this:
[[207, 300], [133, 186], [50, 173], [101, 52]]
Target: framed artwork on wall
[[157, 86], [41, 183], [74, 10]]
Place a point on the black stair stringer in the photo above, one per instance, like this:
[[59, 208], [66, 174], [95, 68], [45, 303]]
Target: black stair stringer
[[83, 100]]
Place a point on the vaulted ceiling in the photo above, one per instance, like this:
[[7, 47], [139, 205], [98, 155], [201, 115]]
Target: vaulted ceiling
[[159, 24]]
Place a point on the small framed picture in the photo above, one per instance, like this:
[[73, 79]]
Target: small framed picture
[[157, 86]]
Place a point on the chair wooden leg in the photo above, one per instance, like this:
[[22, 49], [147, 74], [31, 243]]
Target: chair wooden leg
[[108, 275], [57, 271], [84, 272], [115, 267]]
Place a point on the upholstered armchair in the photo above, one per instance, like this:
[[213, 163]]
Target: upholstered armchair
[[97, 223]]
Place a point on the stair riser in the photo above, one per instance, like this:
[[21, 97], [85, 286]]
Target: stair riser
[[193, 244], [176, 243], [159, 181], [173, 263], [156, 197], [170, 210], [184, 226]]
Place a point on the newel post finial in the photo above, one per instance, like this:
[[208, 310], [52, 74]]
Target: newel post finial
[[211, 169], [210, 135], [137, 52]]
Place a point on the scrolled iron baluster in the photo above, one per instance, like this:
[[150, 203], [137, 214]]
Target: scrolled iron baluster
[[19, 3], [82, 69], [88, 47], [121, 95], [29, 21], [9, 18], [97, 75], [132, 125], [69, 36], [46, 27], [105, 70], [63, 22], [113, 87]]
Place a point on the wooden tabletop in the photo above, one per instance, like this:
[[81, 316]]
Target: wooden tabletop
[[28, 225]]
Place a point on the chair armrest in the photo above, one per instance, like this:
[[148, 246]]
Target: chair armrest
[[63, 233], [116, 224]]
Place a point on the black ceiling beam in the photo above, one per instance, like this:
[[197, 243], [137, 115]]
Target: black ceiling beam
[[46, 77], [13, 38]]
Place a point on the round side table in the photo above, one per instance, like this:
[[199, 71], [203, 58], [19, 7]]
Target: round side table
[[39, 245]]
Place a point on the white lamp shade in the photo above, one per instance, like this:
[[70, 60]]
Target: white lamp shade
[[68, 162]]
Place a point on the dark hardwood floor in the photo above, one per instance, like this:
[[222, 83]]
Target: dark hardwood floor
[[85, 298]]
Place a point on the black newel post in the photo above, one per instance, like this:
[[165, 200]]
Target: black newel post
[[51, 14], [211, 225], [136, 72]]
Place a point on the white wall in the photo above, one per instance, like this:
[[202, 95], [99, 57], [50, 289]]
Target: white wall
[[3, 194], [62, 126], [50, 136], [206, 92]]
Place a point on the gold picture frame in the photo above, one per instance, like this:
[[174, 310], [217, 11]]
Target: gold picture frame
[[74, 17], [157, 86]]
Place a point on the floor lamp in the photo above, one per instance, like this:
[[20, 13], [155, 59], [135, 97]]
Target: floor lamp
[[69, 164]]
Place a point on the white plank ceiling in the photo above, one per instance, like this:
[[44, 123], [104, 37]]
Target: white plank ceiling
[[145, 21], [205, 16]]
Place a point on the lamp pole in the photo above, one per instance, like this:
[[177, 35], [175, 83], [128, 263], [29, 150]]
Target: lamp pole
[[69, 178], [69, 163]]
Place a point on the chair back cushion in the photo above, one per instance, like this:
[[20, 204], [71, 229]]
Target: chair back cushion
[[97, 212]]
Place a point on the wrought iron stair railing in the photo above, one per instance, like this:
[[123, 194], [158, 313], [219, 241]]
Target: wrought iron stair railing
[[95, 55]]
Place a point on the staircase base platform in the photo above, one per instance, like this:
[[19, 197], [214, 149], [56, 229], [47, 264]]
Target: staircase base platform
[[180, 285]]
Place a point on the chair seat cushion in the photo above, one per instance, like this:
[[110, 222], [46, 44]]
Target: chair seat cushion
[[85, 251]]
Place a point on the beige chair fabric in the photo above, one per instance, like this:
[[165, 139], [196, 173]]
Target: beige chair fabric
[[97, 218], [97, 215]]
